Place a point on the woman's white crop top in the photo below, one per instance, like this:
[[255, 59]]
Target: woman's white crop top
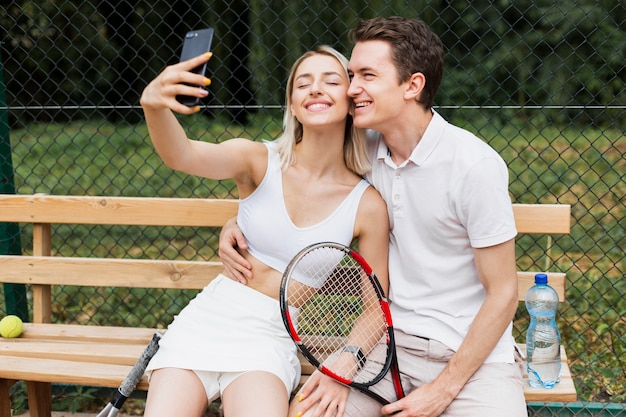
[[271, 235]]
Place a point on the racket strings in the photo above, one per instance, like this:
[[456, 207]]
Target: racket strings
[[337, 306]]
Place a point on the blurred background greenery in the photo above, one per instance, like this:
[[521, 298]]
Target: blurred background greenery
[[543, 82]]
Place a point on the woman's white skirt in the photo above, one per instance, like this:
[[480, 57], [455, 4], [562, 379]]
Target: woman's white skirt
[[229, 327]]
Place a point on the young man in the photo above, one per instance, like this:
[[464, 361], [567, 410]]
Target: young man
[[452, 272]]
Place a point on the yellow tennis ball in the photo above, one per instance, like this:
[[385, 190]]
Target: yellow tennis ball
[[11, 326]]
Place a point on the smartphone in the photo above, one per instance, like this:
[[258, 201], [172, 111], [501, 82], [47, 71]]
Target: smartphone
[[196, 42]]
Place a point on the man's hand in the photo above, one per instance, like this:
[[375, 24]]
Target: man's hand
[[425, 401], [235, 265]]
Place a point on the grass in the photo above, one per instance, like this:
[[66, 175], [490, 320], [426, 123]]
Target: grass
[[581, 167]]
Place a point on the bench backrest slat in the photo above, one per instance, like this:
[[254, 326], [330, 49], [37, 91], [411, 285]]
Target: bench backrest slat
[[529, 218], [108, 272], [140, 273], [525, 280], [546, 219], [209, 212], [542, 218]]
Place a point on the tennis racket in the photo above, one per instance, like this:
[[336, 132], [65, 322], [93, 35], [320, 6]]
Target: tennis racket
[[129, 384], [336, 311]]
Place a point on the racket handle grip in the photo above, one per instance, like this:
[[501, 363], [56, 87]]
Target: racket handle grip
[[134, 376]]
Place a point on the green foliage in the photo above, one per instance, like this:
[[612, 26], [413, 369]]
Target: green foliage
[[73, 400], [57, 41], [18, 397], [101, 159], [322, 311], [534, 54], [525, 53]]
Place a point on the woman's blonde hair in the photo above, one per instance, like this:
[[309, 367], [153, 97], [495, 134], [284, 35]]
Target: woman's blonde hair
[[354, 147]]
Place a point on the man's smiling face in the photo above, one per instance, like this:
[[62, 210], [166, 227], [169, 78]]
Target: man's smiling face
[[375, 88]]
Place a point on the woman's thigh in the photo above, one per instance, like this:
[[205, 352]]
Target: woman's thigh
[[174, 392], [255, 393]]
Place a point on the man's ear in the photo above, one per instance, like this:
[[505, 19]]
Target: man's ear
[[415, 86]]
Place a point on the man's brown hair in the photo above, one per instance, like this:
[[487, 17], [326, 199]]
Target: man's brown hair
[[414, 48]]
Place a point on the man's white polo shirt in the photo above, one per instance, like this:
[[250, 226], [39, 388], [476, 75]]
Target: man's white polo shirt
[[450, 196]]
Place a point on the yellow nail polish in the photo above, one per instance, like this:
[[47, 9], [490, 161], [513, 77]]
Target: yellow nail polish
[[208, 54], [196, 109], [298, 414], [300, 398], [207, 81]]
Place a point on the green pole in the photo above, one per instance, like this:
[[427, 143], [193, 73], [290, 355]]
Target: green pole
[[14, 294]]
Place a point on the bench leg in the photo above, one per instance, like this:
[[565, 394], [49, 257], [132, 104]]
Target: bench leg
[[5, 398], [39, 399]]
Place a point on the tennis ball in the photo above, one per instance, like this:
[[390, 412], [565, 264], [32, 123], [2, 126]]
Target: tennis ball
[[11, 326]]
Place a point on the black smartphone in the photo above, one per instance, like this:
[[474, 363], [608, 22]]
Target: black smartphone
[[196, 42]]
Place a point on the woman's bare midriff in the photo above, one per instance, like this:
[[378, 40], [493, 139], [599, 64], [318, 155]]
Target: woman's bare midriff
[[265, 280]]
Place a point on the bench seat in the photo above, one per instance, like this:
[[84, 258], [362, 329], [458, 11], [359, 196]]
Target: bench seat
[[102, 356]]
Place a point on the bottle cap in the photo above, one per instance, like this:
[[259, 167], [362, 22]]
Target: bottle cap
[[541, 279]]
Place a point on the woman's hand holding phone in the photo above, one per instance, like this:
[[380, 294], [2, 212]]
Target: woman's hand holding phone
[[181, 86], [175, 81]]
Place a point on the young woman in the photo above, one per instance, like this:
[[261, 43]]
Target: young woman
[[303, 188]]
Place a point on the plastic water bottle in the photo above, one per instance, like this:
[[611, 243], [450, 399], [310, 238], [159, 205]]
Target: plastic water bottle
[[543, 340]]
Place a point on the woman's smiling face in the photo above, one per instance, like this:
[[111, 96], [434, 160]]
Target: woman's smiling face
[[319, 94]]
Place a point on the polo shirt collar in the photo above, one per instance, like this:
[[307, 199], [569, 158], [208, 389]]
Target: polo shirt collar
[[426, 145]]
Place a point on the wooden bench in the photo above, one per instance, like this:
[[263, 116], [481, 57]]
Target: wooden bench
[[102, 356]]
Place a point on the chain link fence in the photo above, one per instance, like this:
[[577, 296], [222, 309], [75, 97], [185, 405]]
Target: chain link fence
[[541, 81]]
